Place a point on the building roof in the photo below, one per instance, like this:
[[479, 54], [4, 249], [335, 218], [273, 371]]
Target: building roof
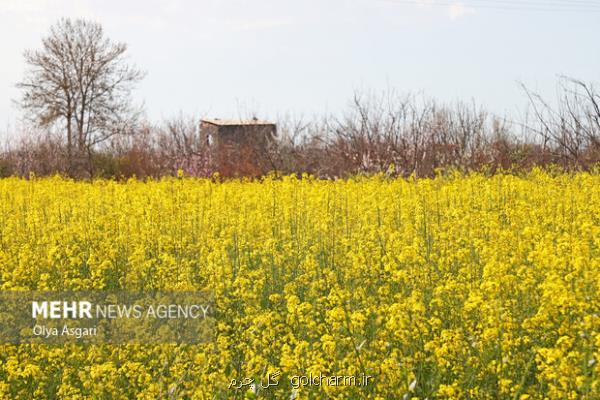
[[236, 122]]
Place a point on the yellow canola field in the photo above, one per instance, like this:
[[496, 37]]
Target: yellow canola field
[[449, 288]]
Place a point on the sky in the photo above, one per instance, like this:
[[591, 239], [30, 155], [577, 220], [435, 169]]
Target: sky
[[233, 58]]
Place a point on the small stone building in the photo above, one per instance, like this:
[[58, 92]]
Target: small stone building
[[239, 147]]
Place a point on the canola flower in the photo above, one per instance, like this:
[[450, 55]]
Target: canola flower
[[456, 287]]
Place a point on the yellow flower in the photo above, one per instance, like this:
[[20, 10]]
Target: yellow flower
[[460, 286]]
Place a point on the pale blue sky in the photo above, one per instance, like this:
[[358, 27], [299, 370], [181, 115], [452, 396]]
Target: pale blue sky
[[223, 58]]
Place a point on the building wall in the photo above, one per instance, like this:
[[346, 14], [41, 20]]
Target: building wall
[[240, 150]]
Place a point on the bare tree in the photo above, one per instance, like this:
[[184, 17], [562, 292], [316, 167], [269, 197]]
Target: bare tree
[[182, 143], [80, 84], [571, 126]]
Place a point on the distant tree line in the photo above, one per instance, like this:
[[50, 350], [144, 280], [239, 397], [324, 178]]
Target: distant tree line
[[379, 133], [82, 123]]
